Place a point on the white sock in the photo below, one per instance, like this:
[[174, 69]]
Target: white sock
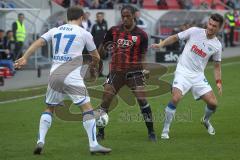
[[44, 125], [208, 113], [169, 115], [90, 127]]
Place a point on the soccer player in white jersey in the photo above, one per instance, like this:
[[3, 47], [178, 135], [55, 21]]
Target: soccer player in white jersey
[[68, 42], [189, 74]]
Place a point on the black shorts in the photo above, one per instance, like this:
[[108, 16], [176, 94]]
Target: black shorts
[[132, 79]]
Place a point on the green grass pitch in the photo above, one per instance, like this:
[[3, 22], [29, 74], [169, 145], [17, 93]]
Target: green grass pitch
[[126, 134]]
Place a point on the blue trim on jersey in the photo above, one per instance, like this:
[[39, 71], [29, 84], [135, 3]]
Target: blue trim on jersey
[[88, 112], [79, 103], [171, 106], [44, 40], [47, 113]]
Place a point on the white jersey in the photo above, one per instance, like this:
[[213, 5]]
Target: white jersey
[[197, 51], [68, 42]]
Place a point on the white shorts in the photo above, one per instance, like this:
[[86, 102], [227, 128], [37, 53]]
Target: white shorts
[[198, 85], [60, 87]]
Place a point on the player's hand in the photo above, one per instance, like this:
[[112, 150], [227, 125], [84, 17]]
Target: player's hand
[[20, 62], [219, 86], [157, 45]]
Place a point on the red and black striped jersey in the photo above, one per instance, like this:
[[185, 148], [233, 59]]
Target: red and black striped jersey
[[128, 48]]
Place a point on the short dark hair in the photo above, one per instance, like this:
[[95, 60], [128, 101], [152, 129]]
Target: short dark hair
[[20, 14], [8, 32], [100, 13], [130, 8], [218, 18], [74, 13], [1, 30]]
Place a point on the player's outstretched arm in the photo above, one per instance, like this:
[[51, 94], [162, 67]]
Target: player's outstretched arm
[[170, 40], [218, 76], [23, 60], [94, 66], [95, 57]]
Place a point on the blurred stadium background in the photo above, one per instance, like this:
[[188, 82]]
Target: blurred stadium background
[[21, 92]]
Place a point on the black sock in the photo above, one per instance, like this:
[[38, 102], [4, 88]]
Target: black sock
[[101, 131], [147, 115]]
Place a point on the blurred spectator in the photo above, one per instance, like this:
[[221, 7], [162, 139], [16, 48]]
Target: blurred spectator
[[2, 4], [60, 22], [230, 20], [66, 3], [185, 4], [105, 4], [100, 4], [230, 4], [124, 1], [86, 23], [162, 4], [139, 21], [99, 29], [203, 5], [188, 4], [19, 34], [5, 60], [138, 2], [237, 18], [237, 4], [213, 4], [9, 43], [226, 32], [205, 20]]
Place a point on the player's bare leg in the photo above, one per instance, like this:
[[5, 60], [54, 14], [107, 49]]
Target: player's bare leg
[[146, 111], [44, 125], [89, 124], [170, 111], [211, 105]]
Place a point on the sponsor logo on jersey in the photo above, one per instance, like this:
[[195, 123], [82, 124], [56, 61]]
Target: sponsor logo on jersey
[[124, 43], [62, 58], [198, 51]]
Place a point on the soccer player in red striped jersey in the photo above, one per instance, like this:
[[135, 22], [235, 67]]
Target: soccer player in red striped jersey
[[128, 46]]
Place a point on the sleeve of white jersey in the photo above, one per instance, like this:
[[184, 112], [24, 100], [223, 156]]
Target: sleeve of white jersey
[[90, 45], [48, 35], [184, 35], [218, 55]]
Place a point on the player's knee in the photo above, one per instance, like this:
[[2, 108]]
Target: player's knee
[[175, 100], [212, 104]]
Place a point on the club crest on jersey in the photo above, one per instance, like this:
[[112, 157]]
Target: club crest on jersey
[[210, 49], [198, 51], [134, 39]]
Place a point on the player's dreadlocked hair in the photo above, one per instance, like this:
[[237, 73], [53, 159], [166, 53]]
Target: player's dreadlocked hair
[[130, 8]]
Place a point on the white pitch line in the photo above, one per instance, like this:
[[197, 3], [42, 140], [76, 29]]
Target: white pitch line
[[38, 96], [21, 99]]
